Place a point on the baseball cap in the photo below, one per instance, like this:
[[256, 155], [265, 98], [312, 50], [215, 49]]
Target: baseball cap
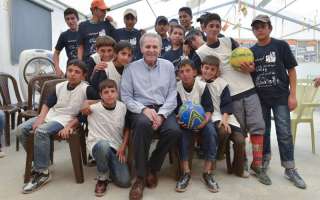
[[161, 19], [99, 4], [130, 11], [261, 18]]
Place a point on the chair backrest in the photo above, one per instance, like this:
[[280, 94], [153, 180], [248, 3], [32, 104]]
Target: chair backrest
[[4, 88], [306, 93], [36, 85], [47, 89]]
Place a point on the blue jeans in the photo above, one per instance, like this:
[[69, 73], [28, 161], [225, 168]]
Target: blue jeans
[[209, 142], [41, 159], [1, 125], [282, 122], [106, 159]]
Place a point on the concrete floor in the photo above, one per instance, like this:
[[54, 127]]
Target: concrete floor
[[63, 186]]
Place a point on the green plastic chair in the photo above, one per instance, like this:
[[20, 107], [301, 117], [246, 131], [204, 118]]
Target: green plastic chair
[[308, 100]]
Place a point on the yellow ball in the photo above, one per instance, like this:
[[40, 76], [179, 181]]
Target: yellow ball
[[240, 55]]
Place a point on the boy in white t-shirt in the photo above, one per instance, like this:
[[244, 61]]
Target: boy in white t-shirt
[[225, 122], [58, 116], [123, 54], [108, 138], [246, 103], [191, 88]]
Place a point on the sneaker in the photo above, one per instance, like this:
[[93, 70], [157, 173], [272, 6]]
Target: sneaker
[[209, 181], [37, 181], [101, 188], [183, 182], [261, 175], [91, 161], [293, 176], [2, 154]]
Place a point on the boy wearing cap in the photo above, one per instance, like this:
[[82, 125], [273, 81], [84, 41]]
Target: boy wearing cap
[[162, 26], [90, 29], [129, 33], [246, 103], [68, 39], [185, 18], [275, 80]]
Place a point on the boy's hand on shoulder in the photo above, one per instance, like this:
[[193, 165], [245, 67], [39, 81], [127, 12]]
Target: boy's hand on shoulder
[[292, 102], [85, 110], [247, 67], [65, 132], [121, 154]]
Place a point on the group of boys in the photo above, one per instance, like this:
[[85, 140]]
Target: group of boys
[[144, 95]]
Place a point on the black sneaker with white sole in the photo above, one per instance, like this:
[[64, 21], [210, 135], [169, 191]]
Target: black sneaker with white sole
[[209, 181], [183, 182], [37, 181]]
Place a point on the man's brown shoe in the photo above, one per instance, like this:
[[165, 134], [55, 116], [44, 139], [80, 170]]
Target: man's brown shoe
[[152, 180], [101, 188], [136, 191]]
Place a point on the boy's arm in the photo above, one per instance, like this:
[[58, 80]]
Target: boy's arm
[[41, 117], [292, 100], [68, 129], [56, 61], [121, 152], [80, 52]]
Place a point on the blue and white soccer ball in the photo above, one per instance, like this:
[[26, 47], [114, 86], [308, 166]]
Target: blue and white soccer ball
[[191, 115]]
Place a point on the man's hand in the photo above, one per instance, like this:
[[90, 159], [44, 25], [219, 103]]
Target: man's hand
[[317, 81], [65, 132], [121, 154], [158, 122], [37, 123], [101, 66], [247, 67], [151, 114], [292, 102]]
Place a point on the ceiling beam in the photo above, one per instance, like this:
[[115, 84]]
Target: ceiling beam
[[309, 26], [201, 11]]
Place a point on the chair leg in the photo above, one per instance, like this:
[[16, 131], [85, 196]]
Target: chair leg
[[51, 149], [313, 138], [29, 158], [75, 150], [13, 120], [294, 125], [228, 157], [83, 146], [7, 129], [17, 143]]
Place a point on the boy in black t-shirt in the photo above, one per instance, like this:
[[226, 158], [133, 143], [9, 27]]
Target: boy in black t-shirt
[[68, 39], [175, 54], [90, 29], [129, 33], [162, 27], [275, 81]]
